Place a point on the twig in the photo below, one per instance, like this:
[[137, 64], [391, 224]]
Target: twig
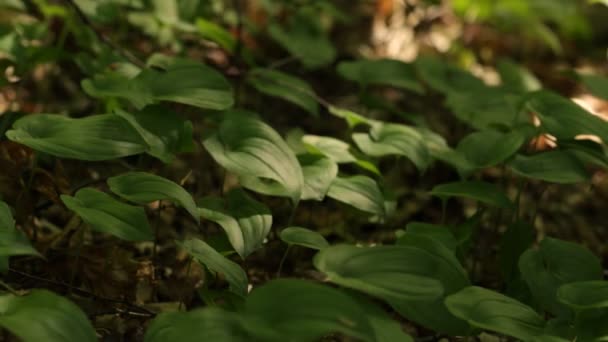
[[85, 20], [82, 292]]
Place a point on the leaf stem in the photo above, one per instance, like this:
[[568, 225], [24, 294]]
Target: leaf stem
[[283, 261]]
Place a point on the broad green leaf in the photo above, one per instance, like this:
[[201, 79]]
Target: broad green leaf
[[584, 295], [360, 192], [143, 188], [552, 166], [518, 237], [304, 38], [587, 151], [385, 327], [433, 314], [591, 325], [44, 316], [441, 234], [554, 264], [439, 149], [493, 311], [97, 137], [412, 278], [487, 107], [306, 311], [12, 241], [289, 88], [250, 148], [208, 324], [179, 80], [516, 78], [215, 262], [597, 85], [444, 77], [489, 147], [394, 139], [335, 149], [319, 173], [245, 220], [480, 191], [162, 130], [352, 119], [216, 33], [303, 237], [108, 215], [388, 72], [563, 118]]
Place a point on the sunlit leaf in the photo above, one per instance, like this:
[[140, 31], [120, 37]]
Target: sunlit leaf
[[517, 78], [394, 139], [480, 191], [97, 137], [44, 316], [493, 311], [335, 149], [360, 192], [352, 119], [287, 87], [552, 166], [108, 215], [248, 147], [303, 237], [143, 188], [556, 263], [319, 173], [390, 72], [245, 220], [215, 262]]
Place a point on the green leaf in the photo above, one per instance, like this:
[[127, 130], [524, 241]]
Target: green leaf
[[335, 149], [44, 316], [304, 38], [584, 295], [596, 84], [388, 72], [386, 328], [250, 148], [319, 173], [352, 119], [556, 263], [587, 151], [591, 325], [394, 139], [12, 241], [216, 33], [306, 311], [480, 191], [179, 80], [433, 314], [215, 262], [552, 166], [208, 324], [444, 77], [360, 192], [97, 137], [303, 237], [107, 215], [565, 119], [162, 130], [489, 148], [409, 277], [143, 188], [284, 86], [493, 311], [518, 237], [441, 234], [487, 107], [245, 220], [517, 78]]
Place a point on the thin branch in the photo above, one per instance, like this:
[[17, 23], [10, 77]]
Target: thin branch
[[85, 20]]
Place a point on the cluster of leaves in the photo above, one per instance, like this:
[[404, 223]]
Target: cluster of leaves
[[553, 290]]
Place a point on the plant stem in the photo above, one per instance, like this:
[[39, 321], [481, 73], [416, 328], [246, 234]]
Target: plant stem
[[283, 261]]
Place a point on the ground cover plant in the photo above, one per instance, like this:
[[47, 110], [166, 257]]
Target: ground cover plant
[[303, 170]]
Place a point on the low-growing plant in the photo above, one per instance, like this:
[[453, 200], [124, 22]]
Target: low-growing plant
[[193, 170]]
